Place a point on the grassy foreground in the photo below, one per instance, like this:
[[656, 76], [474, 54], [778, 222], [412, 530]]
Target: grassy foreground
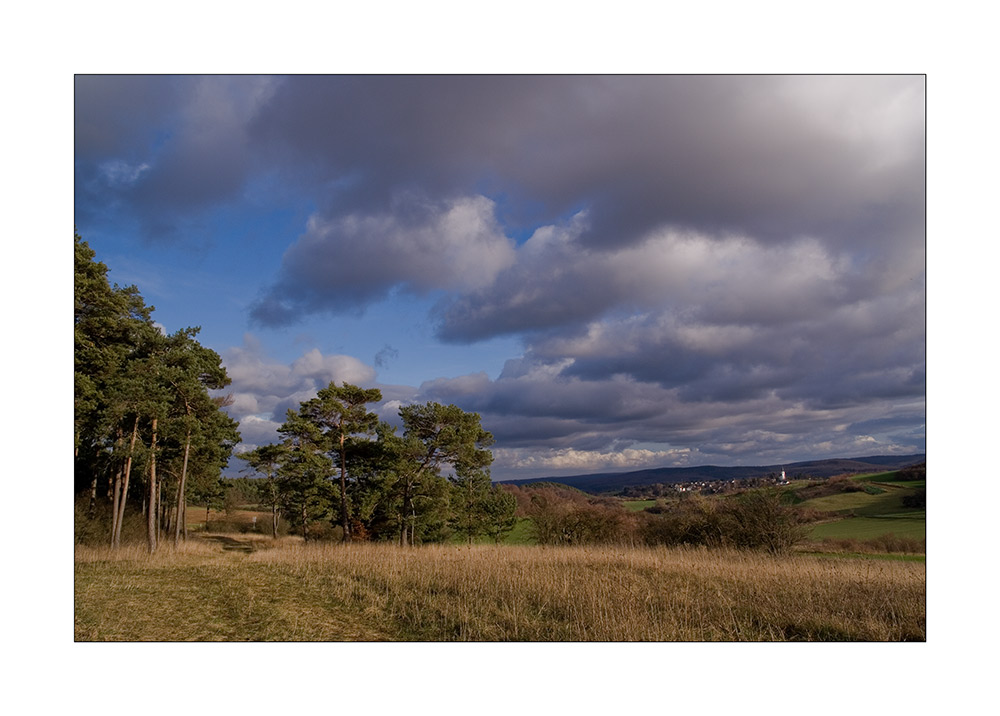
[[375, 592]]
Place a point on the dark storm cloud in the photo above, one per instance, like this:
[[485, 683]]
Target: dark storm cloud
[[120, 116], [773, 156], [735, 263], [548, 423], [161, 150]]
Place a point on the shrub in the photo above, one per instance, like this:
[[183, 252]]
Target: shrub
[[917, 500], [892, 543], [325, 531], [563, 517], [913, 472], [758, 520], [887, 543], [87, 530], [751, 520], [96, 531]]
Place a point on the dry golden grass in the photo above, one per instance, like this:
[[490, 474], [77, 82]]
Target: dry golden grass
[[293, 591]]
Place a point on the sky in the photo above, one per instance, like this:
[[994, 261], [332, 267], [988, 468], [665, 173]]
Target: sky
[[616, 272]]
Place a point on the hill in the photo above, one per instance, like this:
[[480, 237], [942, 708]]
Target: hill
[[616, 481]]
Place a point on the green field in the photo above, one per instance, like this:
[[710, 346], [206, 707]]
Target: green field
[[521, 534], [865, 516], [862, 528], [637, 505], [860, 503]]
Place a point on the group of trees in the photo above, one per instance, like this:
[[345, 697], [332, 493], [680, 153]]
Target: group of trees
[[338, 463], [143, 411]]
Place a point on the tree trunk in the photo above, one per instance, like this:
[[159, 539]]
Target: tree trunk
[[151, 509], [161, 512], [403, 515], [116, 496], [92, 509], [274, 521], [180, 492], [305, 523], [345, 522], [116, 538]]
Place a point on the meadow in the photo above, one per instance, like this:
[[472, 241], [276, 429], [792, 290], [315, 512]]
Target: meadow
[[285, 590], [874, 512]]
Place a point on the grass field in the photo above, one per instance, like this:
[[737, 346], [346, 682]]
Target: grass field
[[637, 505], [859, 503], [864, 516], [377, 592], [862, 528]]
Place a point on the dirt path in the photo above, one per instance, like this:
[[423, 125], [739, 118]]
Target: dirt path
[[230, 544]]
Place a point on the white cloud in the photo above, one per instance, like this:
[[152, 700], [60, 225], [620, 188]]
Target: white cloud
[[263, 389], [725, 279], [349, 261], [119, 173], [326, 369], [588, 460]]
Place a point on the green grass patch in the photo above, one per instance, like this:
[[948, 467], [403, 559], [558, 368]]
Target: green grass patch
[[522, 533], [861, 503], [876, 476], [870, 555], [913, 526], [637, 505]]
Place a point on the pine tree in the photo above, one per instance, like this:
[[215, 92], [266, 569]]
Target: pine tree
[[265, 460], [340, 415]]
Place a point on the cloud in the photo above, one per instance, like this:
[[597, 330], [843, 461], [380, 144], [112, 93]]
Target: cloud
[[161, 150], [770, 156], [557, 280], [384, 355], [545, 417], [354, 260], [570, 459], [264, 389], [118, 172]]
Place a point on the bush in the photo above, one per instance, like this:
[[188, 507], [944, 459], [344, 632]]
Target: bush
[[916, 501], [97, 531], [87, 530], [751, 520], [324, 531], [560, 517], [892, 543], [887, 543], [913, 472], [758, 520]]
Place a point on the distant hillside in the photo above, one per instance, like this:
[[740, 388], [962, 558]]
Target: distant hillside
[[615, 481]]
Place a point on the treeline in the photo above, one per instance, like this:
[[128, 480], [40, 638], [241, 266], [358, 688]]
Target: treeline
[[338, 466], [753, 519], [143, 413]]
